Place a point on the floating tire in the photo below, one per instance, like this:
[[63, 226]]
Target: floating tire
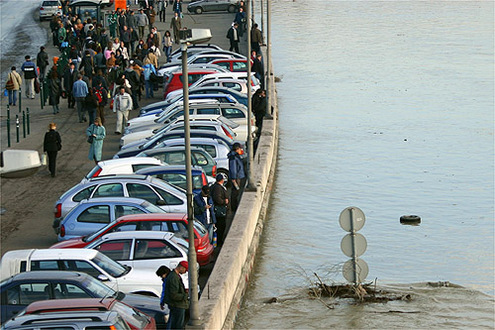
[[410, 219]]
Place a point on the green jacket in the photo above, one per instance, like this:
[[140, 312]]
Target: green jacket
[[175, 293]]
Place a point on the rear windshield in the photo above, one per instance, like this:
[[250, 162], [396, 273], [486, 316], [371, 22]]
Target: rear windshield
[[50, 3]]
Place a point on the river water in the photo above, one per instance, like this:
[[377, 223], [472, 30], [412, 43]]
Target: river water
[[387, 106]]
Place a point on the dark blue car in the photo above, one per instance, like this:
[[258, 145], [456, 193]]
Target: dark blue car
[[22, 289]]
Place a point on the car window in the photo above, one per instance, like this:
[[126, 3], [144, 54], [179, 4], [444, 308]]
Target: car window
[[234, 86], [121, 210], [81, 266], [174, 178], [154, 249], [50, 3], [204, 128], [109, 190], [95, 214], [239, 66], [142, 191], [208, 111], [26, 293], [127, 226], [136, 168], [115, 249], [208, 148], [232, 113], [168, 198], [225, 65], [175, 157], [44, 265], [179, 228], [69, 291], [83, 194], [199, 158]]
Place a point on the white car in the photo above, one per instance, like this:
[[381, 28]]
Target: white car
[[120, 278], [121, 166], [216, 123], [48, 8], [143, 249]]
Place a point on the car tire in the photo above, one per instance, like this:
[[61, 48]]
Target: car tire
[[198, 10], [410, 219], [231, 9]]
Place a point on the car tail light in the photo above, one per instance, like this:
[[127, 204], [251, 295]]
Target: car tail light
[[205, 181], [41, 8], [97, 172], [227, 132], [59, 7], [214, 171], [62, 231], [112, 327], [58, 210]]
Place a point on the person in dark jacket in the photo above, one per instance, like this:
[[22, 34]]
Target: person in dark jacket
[[258, 102], [70, 77], [220, 199], [87, 65], [203, 208], [42, 62], [176, 297], [237, 175], [54, 87], [51, 145], [234, 38]]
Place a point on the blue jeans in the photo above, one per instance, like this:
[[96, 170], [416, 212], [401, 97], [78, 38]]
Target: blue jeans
[[12, 97], [148, 86], [177, 318]]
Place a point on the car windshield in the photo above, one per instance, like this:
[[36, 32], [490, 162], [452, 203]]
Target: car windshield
[[151, 208], [110, 266], [93, 236], [200, 228], [99, 289]]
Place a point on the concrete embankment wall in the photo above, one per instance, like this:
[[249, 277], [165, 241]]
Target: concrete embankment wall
[[226, 285]]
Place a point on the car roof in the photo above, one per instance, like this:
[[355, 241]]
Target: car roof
[[153, 217], [206, 140], [49, 254], [139, 234], [113, 199], [195, 71], [131, 160], [77, 304], [172, 148], [49, 275], [168, 168], [119, 177]]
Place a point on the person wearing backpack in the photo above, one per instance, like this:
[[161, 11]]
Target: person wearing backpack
[[149, 69], [14, 82], [101, 94]]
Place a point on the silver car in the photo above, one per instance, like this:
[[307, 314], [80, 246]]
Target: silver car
[[48, 8], [169, 198]]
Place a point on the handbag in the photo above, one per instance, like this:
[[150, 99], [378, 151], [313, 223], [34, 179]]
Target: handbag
[[220, 210], [91, 137], [37, 86]]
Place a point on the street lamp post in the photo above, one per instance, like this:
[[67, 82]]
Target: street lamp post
[[250, 186], [188, 36]]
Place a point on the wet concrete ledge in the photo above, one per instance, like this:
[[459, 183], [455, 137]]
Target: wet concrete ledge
[[222, 295]]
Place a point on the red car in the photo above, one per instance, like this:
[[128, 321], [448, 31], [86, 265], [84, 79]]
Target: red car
[[173, 80], [172, 222], [233, 64], [133, 317]]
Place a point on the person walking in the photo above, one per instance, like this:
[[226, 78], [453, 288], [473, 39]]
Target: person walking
[[96, 133], [101, 94], [233, 36], [240, 19], [203, 208], [167, 45], [30, 74], [91, 104], [14, 82], [176, 25], [150, 12], [258, 102], [80, 90], [55, 90], [162, 7], [256, 38], [122, 104], [162, 272], [176, 297], [178, 7], [42, 61], [141, 21], [148, 84], [52, 144], [237, 175], [220, 199], [70, 77]]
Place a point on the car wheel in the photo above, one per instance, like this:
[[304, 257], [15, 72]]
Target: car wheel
[[198, 10]]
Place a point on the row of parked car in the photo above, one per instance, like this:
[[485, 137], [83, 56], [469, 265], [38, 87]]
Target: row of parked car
[[127, 216]]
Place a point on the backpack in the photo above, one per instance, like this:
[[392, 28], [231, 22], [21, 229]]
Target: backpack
[[100, 96]]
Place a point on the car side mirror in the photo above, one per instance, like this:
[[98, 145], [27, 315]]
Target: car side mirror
[[102, 278]]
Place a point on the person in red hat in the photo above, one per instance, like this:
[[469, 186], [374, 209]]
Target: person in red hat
[[176, 297]]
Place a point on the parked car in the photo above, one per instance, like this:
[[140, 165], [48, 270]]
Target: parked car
[[200, 6], [156, 192], [232, 64], [176, 55], [240, 97], [91, 262], [48, 8], [220, 76], [171, 67], [220, 98], [173, 80], [238, 85], [176, 175], [172, 222], [215, 123], [24, 288], [134, 318], [121, 166], [177, 156], [101, 320], [160, 140], [142, 249]]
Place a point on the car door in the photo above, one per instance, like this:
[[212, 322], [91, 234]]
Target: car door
[[118, 250], [108, 190], [19, 296], [145, 192], [152, 253], [89, 220]]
